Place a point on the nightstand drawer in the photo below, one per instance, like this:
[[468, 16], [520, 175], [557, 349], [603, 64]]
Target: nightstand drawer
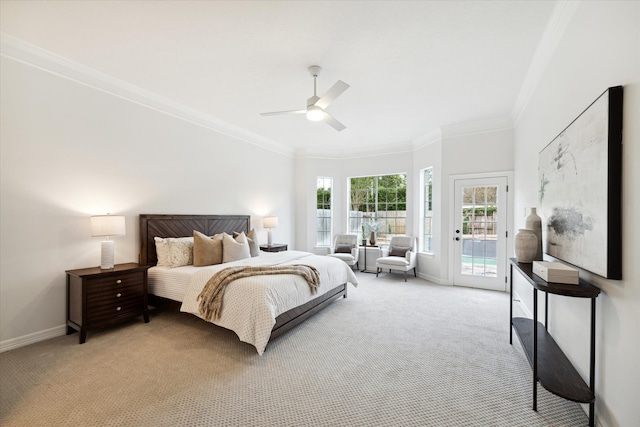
[[102, 284], [116, 295], [110, 311]]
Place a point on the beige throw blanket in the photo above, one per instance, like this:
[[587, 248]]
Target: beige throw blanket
[[211, 296]]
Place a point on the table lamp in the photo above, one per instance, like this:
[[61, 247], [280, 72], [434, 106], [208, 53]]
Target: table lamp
[[107, 225], [270, 222]]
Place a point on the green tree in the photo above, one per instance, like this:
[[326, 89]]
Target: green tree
[[391, 193], [324, 198]]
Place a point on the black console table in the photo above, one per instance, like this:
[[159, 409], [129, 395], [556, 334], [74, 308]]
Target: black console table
[[550, 365]]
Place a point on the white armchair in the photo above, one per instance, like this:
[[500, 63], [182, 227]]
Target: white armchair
[[345, 247], [401, 254]]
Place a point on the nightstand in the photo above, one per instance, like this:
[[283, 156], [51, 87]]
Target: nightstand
[[275, 247], [97, 298]]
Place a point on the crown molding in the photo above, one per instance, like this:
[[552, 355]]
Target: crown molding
[[18, 50], [384, 150], [427, 139], [472, 128], [380, 150], [561, 16], [436, 135]]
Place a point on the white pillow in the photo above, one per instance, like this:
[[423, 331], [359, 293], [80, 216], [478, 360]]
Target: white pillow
[[161, 252], [174, 251], [234, 250]]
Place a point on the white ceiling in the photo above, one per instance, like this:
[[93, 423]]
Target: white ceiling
[[413, 67]]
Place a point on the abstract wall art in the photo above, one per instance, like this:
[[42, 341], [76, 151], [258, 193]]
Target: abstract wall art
[[580, 178]]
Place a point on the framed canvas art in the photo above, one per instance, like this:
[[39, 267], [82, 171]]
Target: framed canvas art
[[580, 178]]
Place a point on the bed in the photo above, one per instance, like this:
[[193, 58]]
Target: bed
[[261, 321]]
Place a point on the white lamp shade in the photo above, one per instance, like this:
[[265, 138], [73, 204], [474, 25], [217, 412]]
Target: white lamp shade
[[107, 225], [270, 222]]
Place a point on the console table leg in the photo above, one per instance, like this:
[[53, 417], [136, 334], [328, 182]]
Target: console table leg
[[592, 363], [535, 349], [511, 304]]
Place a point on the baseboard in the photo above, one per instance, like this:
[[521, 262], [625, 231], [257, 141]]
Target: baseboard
[[433, 279], [32, 338]]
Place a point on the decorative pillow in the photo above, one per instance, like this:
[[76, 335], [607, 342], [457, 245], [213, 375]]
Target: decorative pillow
[[254, 247], [206, 250], [174, 251], [343, 248], [235, 249], [161, 252], [398, 251]]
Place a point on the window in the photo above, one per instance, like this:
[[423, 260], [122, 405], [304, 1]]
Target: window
[[323, 211], [427, 210], [378, 201]]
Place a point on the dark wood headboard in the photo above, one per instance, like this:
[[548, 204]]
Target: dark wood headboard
[[182, 226]]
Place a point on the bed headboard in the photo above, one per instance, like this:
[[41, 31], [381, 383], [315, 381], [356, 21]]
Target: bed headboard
[[182, 226]]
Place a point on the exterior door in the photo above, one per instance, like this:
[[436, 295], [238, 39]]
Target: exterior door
[[480, 232]]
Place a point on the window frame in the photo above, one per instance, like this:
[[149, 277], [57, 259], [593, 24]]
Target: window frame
[[326, 220], [376, 203], [426, 215]]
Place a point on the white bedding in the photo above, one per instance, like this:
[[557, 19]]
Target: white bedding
[[250, 305]]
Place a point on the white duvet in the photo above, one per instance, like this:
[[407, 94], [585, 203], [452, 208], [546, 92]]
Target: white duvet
[[250, 305]]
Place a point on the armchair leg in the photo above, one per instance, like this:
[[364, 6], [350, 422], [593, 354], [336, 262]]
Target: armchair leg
[[414, 272], [377, 271], [405, 276]]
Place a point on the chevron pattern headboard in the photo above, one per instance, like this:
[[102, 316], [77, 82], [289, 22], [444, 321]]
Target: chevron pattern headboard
[[182, 226]]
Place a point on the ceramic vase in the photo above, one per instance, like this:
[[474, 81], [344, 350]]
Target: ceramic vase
[[526, 245], [372, 238], [534, 223]]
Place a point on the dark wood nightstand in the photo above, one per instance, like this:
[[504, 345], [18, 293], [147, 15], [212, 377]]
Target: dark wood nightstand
[[275, 247], [97, 298]]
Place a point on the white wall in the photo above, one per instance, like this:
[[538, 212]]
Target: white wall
[[600, 48], [471, 153], [69, 151], [430, 266]]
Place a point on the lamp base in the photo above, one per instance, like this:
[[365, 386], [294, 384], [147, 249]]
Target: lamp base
[[269, 238], [106, 255]]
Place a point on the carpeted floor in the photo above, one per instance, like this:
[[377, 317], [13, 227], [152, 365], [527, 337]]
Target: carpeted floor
[[391, 354]]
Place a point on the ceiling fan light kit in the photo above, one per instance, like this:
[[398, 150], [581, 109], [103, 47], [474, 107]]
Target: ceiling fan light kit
[[316, 105], [315, 114]]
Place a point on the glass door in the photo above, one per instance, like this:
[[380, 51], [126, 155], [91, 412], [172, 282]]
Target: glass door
[[480, 233]]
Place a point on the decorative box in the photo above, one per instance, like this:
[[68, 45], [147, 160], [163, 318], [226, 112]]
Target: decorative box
[[556, 272]]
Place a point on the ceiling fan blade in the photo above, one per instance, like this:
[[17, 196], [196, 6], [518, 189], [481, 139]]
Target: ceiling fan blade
[[335, 91], [276, 113], [333, 122]]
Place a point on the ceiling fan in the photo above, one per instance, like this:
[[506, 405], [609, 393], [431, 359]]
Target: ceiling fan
[[316, 106]]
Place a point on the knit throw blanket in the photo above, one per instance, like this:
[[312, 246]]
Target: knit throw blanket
[[211, 296]]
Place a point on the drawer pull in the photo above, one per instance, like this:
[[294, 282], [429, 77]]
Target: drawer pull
[[118, 294], [118, 281], [119, 308]]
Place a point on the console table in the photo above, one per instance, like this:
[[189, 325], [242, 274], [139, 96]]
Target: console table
[[550, 365]]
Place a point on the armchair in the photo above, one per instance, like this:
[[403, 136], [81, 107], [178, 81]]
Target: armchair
[[345, 247], [400, 255]]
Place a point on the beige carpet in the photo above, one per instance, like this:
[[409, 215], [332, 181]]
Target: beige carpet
[[391, 354]]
